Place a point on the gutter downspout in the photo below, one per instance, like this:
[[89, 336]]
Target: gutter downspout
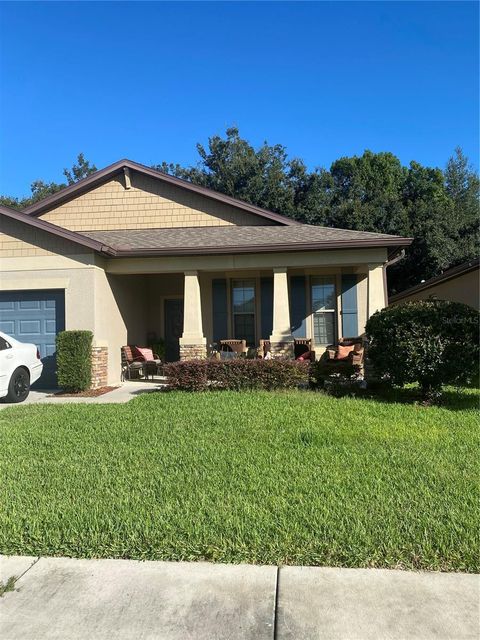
[[397, 258]]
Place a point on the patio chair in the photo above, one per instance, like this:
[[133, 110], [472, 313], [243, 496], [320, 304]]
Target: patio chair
[[152, 361], [348, 352], [303, 349], [131, 364], [232, 348]]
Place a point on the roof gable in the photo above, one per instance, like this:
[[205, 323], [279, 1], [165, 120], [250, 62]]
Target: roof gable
[[123, 169]]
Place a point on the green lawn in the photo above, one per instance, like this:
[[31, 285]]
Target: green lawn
[[283, 478]]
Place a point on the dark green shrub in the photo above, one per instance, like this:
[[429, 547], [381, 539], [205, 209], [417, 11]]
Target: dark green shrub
[[321, 371], [428, 342], [74, 360], [237, 375]]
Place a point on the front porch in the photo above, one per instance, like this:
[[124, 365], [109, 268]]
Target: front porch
[[189, 312]]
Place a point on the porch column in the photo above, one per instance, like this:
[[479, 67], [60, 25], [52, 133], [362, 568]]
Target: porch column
[[376, 289], [281, 340], [192, 343]]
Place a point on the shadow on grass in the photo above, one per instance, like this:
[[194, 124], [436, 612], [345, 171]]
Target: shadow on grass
[[452, 398]]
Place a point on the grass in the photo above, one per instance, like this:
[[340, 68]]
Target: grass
[[281, 478], [8, 586]]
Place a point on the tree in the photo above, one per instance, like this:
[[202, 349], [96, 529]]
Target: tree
[[367, 193], [41, 189], [81, 170], [463, 187]]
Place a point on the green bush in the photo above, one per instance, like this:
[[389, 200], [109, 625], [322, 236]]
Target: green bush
[[158, 347], [74, 360], [428, 342], [237, 375]]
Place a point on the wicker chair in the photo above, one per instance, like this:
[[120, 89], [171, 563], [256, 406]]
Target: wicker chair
[[355, 357], [237, 347], [302, 346], [131, 364]]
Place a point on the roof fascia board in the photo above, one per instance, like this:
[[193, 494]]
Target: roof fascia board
[[48, 227], [455, 272]]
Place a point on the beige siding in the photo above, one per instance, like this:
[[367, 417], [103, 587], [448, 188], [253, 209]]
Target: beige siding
[[20, 240], [148, 204], [464, 288]]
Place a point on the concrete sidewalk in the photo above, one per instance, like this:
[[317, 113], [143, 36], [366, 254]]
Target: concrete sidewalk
[[67, 599], [125, 392]]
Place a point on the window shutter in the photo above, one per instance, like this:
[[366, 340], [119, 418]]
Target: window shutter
[[220, 311], [298, 306], [266, 311], [349, 306]]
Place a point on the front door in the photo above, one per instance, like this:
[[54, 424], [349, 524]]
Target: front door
[[173, 328]]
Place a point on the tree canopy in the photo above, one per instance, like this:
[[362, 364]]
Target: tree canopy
[[371, 192]]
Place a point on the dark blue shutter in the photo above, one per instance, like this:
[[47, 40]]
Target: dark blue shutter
[[349, 306], [298, 306], [266, 301], [219, 309]]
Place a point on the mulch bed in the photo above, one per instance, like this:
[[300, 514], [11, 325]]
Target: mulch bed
[[89, 393]]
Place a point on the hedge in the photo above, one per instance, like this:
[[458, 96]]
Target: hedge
[[74, 360], [237, 375]]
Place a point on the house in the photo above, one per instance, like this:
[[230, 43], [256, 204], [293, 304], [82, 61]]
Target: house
[[133, 254], [458, 284]]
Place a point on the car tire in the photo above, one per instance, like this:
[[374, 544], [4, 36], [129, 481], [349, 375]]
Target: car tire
[[19, 386]]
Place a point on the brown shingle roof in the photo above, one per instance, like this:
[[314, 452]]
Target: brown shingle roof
[[239, 239]]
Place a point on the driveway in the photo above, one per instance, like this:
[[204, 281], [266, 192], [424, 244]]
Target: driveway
[[67, 599]]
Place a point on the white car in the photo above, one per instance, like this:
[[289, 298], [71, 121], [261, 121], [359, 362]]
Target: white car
[[20, 366]]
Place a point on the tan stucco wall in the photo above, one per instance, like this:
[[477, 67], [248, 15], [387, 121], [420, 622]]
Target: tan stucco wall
[[464, 288], [355, 258], [148, 204]]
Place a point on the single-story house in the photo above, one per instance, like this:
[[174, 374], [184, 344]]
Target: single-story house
[[458, 284], [135, 255]]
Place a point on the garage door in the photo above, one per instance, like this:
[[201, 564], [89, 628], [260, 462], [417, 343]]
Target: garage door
[[35, 316]]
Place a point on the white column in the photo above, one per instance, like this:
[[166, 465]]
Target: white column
[[192, 314], [376, 289], [281, 331]]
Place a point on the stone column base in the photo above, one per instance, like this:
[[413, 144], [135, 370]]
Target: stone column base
[[284, 348], [99, 367], [193, 351]]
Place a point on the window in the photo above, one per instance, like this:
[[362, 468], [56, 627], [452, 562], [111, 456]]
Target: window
[[243, 300], [4, 344], [323, 308]]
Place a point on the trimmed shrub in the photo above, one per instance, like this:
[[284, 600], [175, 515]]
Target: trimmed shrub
[[74, 360], [237, 375], [187, 375], [428, 342]]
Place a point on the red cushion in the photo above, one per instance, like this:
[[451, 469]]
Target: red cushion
[[305, 356], [143, 352], [344, 352]]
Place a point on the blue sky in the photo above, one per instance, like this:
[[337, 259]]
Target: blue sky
[[148, 80]]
